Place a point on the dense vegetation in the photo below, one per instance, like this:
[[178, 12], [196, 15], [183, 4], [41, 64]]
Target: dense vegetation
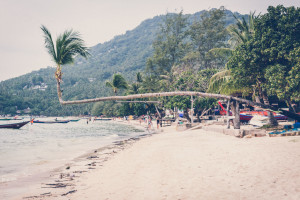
[[260, 60], [125, 54]]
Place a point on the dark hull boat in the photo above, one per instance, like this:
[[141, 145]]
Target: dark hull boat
[[74, 120], [245, 118], [103, 119], [52, 122], [14, 125]]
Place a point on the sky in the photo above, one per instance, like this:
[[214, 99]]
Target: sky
[[21, 39]]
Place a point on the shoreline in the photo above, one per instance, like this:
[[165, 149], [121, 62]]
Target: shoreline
[[15, 189], [192, 164]]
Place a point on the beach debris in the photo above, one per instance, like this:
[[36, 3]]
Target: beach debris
[[57, 185], [79, 171], [68, 167], [70, 192], [91, 168], [92, 164], [31, 197], [46, 194], [92, 157]]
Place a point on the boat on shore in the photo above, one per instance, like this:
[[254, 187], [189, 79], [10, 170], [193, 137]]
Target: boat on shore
[[14, 125], [246, 116]]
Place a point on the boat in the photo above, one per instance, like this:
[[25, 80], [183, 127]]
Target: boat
[[52, 122], [265, 114], [244, 118], [103, 119], [74, 120], [14, 125], [245, 115], [5, 119], [259, 120]]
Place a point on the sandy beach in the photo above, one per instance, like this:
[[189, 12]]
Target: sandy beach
[[195, 164]]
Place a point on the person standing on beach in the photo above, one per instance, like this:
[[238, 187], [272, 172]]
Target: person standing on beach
[[157, 122], [149, 122]]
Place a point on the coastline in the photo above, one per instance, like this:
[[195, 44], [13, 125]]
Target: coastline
[[194, 164], [68, 170]]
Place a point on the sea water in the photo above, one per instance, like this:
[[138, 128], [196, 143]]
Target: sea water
[[32, 148]]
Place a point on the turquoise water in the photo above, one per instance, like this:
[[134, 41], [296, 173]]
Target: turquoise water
[[28, 150]]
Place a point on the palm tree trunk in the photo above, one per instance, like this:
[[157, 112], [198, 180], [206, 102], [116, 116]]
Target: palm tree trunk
[[237, 118], [271, 119], [227, 114], [182, 93], [265, 98], [186, 114], [235, 108], [59, 94], [291, 108]]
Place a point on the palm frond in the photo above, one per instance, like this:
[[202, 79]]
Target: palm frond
[[218, 81], [49, 43], [119, 81], [108, 84], [221, 51], [67, 46], [139, 77]]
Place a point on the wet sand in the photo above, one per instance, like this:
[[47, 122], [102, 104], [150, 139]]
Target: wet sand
[[194, 164]]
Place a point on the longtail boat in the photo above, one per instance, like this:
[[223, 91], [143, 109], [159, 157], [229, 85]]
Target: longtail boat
[[52, 122], [103, 119], [5, 119], [14, 125], [74, 120]]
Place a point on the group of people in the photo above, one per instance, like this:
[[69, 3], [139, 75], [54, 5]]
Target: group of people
[[148, 119]]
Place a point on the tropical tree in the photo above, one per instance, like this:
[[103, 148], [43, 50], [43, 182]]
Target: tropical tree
[[170, 44], [243, 30], [117, 83], [209, 32], [267, 57], [67, 46]]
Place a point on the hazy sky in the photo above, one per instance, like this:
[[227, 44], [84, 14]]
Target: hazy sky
[[21, 40]]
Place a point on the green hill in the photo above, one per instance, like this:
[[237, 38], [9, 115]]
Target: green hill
[[126, 54]]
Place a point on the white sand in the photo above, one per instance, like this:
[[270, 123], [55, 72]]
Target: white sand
[[193, 165]]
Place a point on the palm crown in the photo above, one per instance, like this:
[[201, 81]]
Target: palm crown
[[118, 82], [68, 45]]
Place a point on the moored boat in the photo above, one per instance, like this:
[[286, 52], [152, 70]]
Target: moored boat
[[52, 122], [103, 119], [5, 119], [74, 120], [14, 125]]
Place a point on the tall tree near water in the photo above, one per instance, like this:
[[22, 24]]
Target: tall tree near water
[[68, 45]]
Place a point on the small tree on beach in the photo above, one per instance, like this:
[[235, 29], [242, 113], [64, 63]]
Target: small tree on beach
[[68, 45]]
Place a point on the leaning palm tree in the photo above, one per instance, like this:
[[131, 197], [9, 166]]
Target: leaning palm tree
[[117, 83], [68, 45]]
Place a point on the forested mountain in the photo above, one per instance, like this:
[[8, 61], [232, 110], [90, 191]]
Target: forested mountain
[[126, 54]]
